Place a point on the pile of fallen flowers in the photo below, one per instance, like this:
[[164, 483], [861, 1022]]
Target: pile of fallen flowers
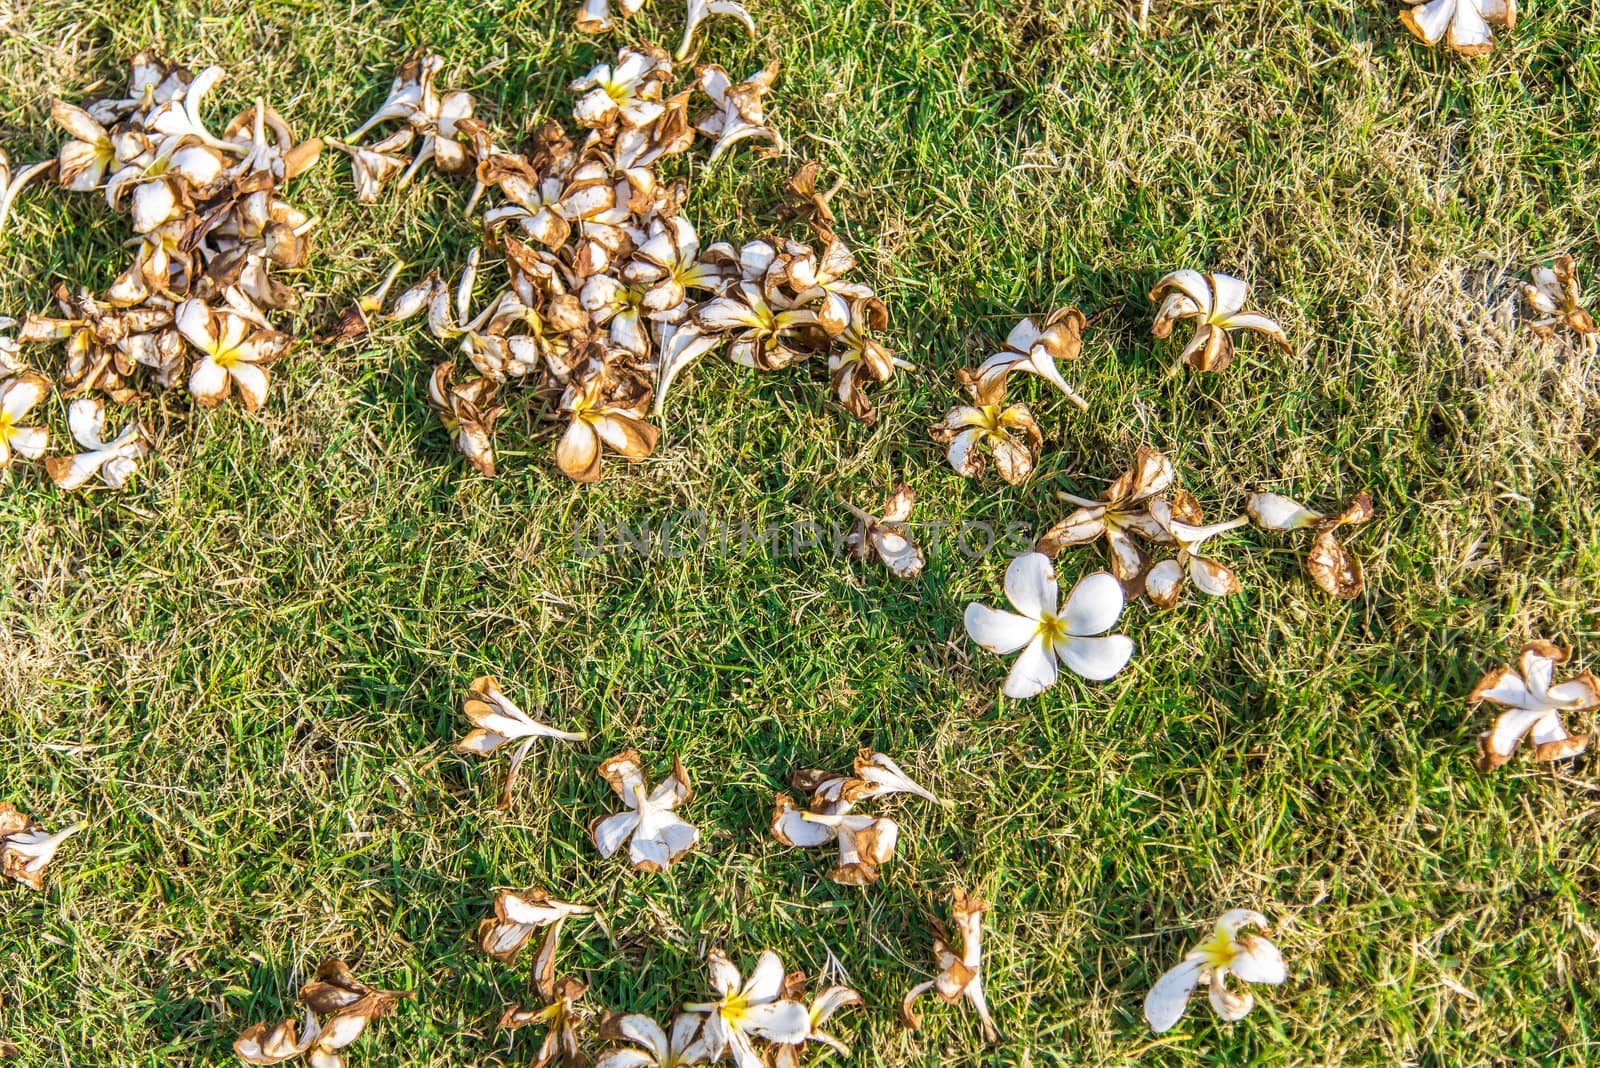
[[609, 292], [211, 233]]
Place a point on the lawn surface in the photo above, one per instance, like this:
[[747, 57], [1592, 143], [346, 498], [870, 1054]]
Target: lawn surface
[[246, 674]]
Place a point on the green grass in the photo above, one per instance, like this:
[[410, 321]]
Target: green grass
[[246, 674]]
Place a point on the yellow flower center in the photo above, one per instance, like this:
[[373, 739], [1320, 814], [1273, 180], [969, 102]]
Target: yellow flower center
[[7, 426], [1051, 628], [1219, 950]]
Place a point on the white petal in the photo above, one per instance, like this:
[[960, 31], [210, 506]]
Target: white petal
[[1167, 1000], [1093, 606], [611, 832], [1259, 961], [1033, 673], [1095, 658], [766, 981], [999, 632], [1031, 586]]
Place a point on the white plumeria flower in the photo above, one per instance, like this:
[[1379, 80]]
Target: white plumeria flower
[[823, 1006], [11, 182], [1463, 24], [497, 720], [1534, 703], [18, 397], [629, 90], [1030, 350], [594, 16], [960, 974], [1216, 301], [1249, 957], [1179, 516], [1047, 631], [114, 461], [26, 848], [517, 917], [235, 351], [179, 119], [739, 112], [699, 11], [686, 1044], [1554, 295], [656, 836], [750, 1010]]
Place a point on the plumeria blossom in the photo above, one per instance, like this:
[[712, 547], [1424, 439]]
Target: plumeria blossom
[[821, 1009], [19, 396], [960, 974], [497, 721], [765, 337], [682, 345], [1032, 350], [1047, 631], [699, 11], [516, 918], [807, 203], [628, 91], [561, 1017], [1179, 515], [114, 461], [12, 182], [26, 848], [468, 413], [861, 358], [864, 842], [374, 166], [235, 350], [347, 1005], [884, 537], [1554, 296], [599, 422], [655, 835], [1534, 704], [750, 1010], [1008, 432], [1124, 512], [1248, 957], [738, 113], [685, 1044], [1463, 24], [594, 16], [1330, 564], [666, 266], [873, 775], [1216, 302]]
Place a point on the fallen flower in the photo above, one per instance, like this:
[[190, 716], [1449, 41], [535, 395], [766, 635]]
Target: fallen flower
[[1009, 433], [1031, 350], [468, 413], [561, 1017], [1124, 512], [748, 1010], [352, 1005], [1534, 704], [11, 182], [682, 345], [594, 16], [885, 538], [960, 975], [1217, 302], [1554, 295], [764, 337], [373, 166], [114, 461], [1047, 633], [699, 11], [496, 721], [822, 1007], [656, 836], [234, 349], [598, 422], [685, 1045], [1179, 515], [516, 918], [862, 358], [808, 205], [1329, 562], [259, 1044], [865, 842], [19, 396], [1249, 957], [1464, 24], [628, 91], [26, 848], [738, 113]]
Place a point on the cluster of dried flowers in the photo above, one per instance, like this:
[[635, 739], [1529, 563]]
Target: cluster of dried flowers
[[610, 294], [1463, 25], [864, 842], [345, 1004], [26, 848], [211, 230], [1556, 299]]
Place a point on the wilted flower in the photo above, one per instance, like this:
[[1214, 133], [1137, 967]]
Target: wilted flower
[[356, 319], [89, 153], [1534, 704], [11, 182], [873, 775], [1047, 631], [1031, 350], [11, 362], [628, 91], [1329, 562], [1216, 302], [859, 357], [864, 842], [496, 721], [1463, 23], [990, 424], [751, 1010], [738, 113], [597, 422], [234, 348], [1249, 957], [260, 1044], [682, 344], [822, 1007], [699, 11], [594, 16], [349, 1005], [1179, 515], [468, 413], [763, 335], [885, 538], [666, 266], [1124, 512], [808, 204], [18, 397], [26, 848], [1554, 296], [656, 836], [960, 974], [372, 166], [516, 917], [114, 461], [561, 1017], [685, 1045]]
